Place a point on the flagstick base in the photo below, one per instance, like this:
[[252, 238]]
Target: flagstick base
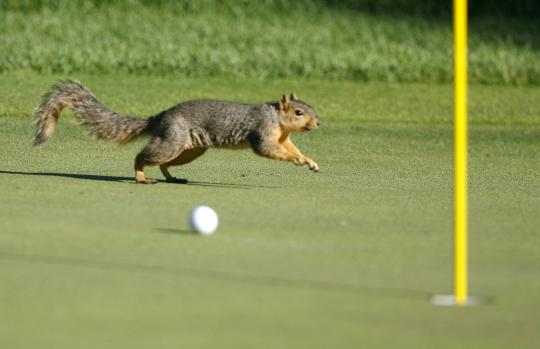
[[449, 300]]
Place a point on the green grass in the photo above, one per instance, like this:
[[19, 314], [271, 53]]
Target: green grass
[[260, 40], [345, 258]]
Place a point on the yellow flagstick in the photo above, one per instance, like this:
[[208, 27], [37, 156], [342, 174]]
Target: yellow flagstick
[[460, 296], [460, 139]]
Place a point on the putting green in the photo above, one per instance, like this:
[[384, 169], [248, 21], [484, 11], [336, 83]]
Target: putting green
[[347, 257]]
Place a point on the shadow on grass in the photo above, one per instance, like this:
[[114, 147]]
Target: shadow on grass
[[130, 180], [71, 175], [227, 276], [176, 231]]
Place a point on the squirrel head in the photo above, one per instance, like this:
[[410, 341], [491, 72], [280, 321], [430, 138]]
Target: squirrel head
[[296, 115]]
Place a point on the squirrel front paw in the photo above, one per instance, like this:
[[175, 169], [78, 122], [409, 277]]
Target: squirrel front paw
[[312, 165], [307, 161]]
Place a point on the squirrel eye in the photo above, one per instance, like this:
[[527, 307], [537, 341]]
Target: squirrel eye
[[299, 112]]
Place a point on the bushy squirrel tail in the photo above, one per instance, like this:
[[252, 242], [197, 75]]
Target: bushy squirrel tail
[[103, 123]]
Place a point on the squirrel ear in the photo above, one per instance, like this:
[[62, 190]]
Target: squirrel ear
[[283, 102], [293, 97]]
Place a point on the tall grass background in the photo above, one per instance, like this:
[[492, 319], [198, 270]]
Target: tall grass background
[[388, 40]]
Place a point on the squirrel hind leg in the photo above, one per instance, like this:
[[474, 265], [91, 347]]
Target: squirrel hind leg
[[140, 179], [169, 177], [157, 152], [139, 173], [184, 157]]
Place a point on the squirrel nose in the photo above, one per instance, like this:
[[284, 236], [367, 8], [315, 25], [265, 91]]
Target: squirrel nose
[[318, 123]]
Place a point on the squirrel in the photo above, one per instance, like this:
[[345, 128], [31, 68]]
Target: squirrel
[[184, 132]]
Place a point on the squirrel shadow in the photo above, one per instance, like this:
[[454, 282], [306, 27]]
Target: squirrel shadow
[[129, 180], [72, 175]]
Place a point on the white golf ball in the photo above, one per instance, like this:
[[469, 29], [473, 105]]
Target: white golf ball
[[203, 220]]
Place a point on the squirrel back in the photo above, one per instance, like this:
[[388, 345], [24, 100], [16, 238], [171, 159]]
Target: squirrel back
[[215, 123]]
